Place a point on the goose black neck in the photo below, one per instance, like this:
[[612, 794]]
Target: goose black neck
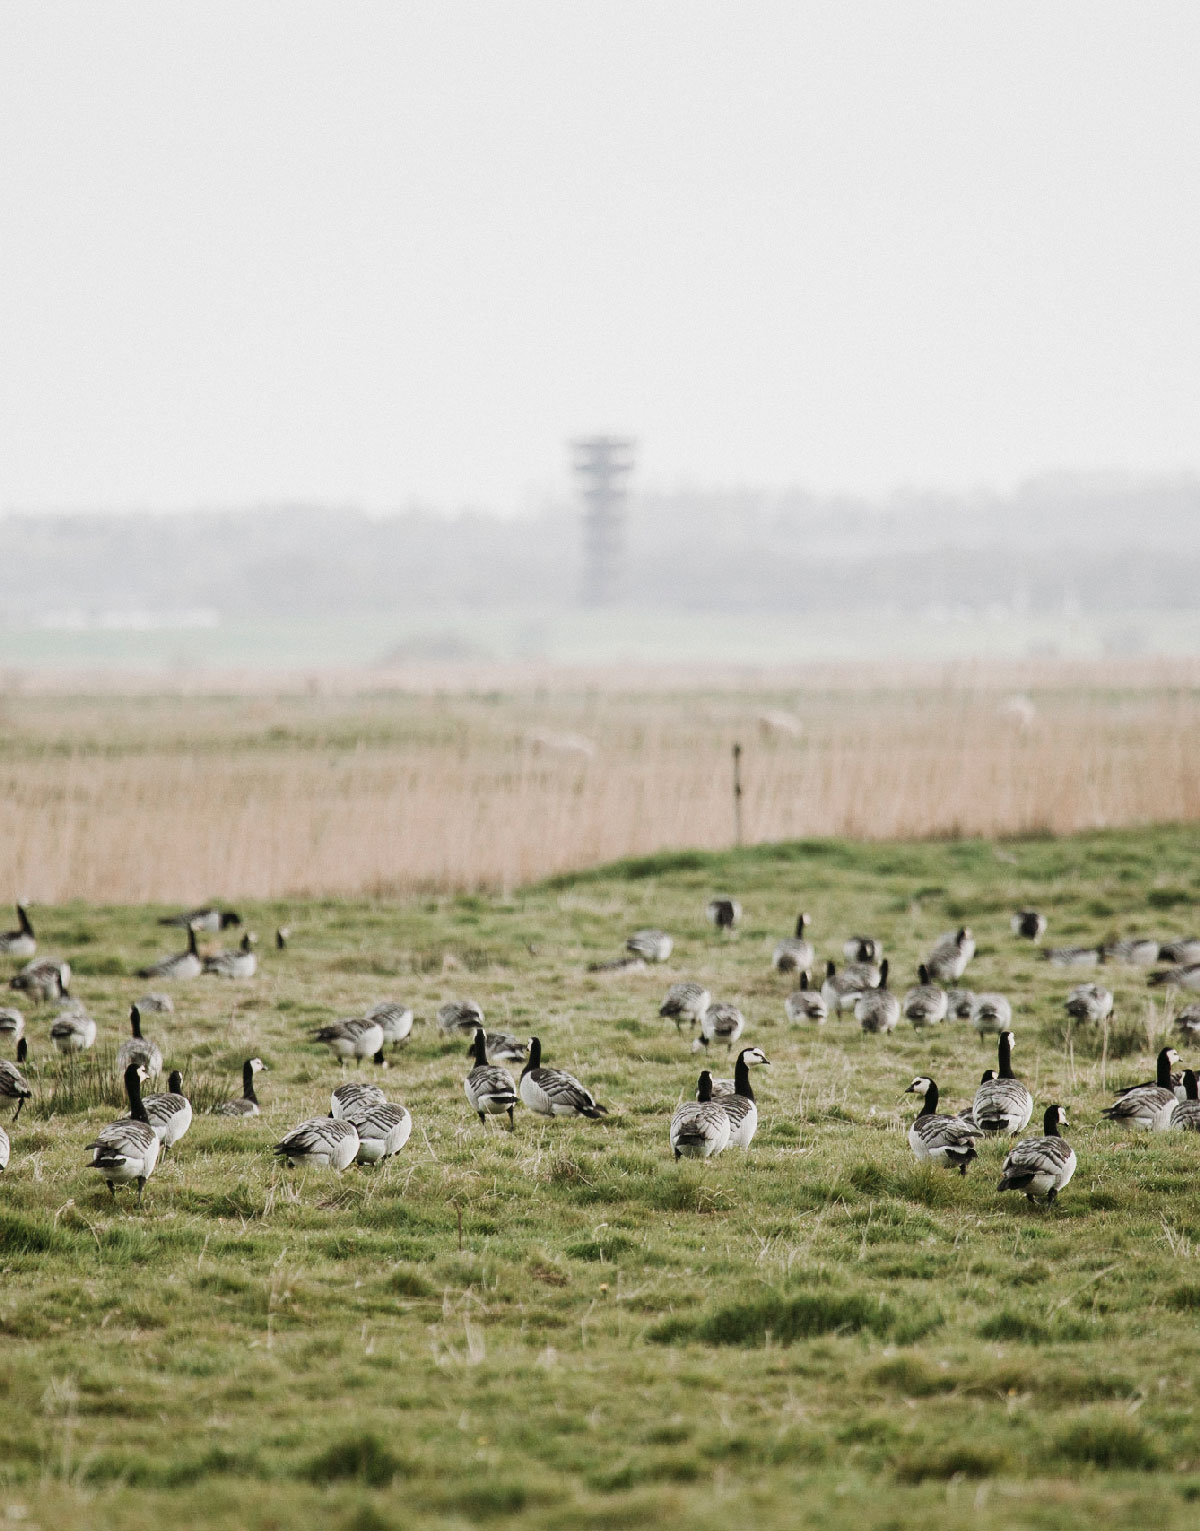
[[377, 1058], [800, 924], [1164, 1069], [931, 1099], [804, 978], [741, 1078], [22, 1051], [175, 1082], [535, 1055], [1050, 1122], [1005, 1057], [192, 940], [1191, 1085], [248, 1081], [831, 969], [246, 942], [23, 918], [133, 1088], [704, 1086], [883, 973], [135, 1022], [923, 975], [479, 1048]]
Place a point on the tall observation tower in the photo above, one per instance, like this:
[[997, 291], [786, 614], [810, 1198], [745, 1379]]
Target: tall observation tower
[[603, 464]]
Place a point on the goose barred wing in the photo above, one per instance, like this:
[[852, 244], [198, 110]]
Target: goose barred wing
[[121, 1141], [1143, 1104], [564, 1094], [946, 1131], [699, 1129], [318, 1137], [1037, 1156], [1002, 1105], [491, 1082]]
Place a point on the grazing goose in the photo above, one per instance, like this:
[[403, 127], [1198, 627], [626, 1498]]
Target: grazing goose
[[489, 1088], [1148, 1106], [355, 1094], [207, 919], [1133, 951], [1187, 1021], [183, 965], [925, 1004], [794, 954], [1041, 1166], [959, 1004], [1002, 1104], [327, 1141], [554, 1092], [12, 1026], [700, 1128], [724, 913], [396, 1020], [1028, 924], [1186, 976], [460, 1015], [991, 1014], [503, 1047], [720, 1023], [139, 1049], [356, 1037], [248, 1104], [74, 1031], [967, 1113], [948, 1141], [878, 1009], [863, 949], [20, 942], [44, 979], [650, 945], [947, 962], [1173, 1079], [1089, 1002], [241, 962], [685, 1001], [840, 991], [739, 1103], [13, 1084], [4, 1149], [1186, 1114], [631, 963], [156, 1004], [169, 1115], [1182, 952], [127, 1149], [382, 1131], [805, 1004], [1071, 956]]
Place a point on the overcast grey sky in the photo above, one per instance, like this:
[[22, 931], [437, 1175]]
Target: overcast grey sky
[[397, 252]]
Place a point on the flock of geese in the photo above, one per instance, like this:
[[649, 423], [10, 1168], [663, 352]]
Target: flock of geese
[[362, 1126]]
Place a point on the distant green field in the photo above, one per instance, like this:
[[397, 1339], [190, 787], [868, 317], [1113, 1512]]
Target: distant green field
[[564, 1328]]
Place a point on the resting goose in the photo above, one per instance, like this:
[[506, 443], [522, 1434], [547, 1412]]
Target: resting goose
[[20, 942], [947, 1141], [4, 1149], [382, 1131], [396, 1020], [12, 1026], [183, 965], [700, 1128], [862, 949], [1028, 924], [74, 1031], [248, 1104], [720, 1023], [1002, 1104], [1089, 1002], [925, 1004], [13, 1084], [502, 1047], [489, 1088], [346, 1098], [805, 1004], [554, 1092], [1187, 1021], [840, 991], [991, 1014], [794, 954], [127, 1150], [326, 1141], [877, 1010], [1184, 951], [1186, 1114], [460, 1015], [44, 979], [139, 1049], [1148, 1106], [650, 945], [1041, 1166], [739, 1103], [685, 1001], [169, 1115], [208, 919], [1132, 951], [356, 1037], [241, 962], [724, 913], [1186, 976], [156, 1004], [948, 960], [630, 963], [1071, 956]]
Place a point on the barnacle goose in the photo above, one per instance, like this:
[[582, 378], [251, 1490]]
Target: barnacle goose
[[247, 1105], [74, 1031], [13, 1084], [208, 919], [650, 945], [1184, 951], [20, 942], [281, 938], [356, 1037], [721, 1022], [169, 1115], [948, 960], [1187, 1021], [700, 1128], [460, 1015], [794, 954], [382, 1130], [1002, 1104], [1148, 1106], [959, 1004], [862, 949], [44, 979], [1029, 924], [127, 1150], [182, 965], [241, 962], [348, 1097], [968, 1112], [156, 1004], [840, 991], [1186, 1114], [1041, 1166], [991, 1013], [1071, 956], [139, 1049], [1185, 976], [805, 1004], [1132, 951], [948, 1141], [396, 1020], [327, 1141], [724, 913], [630, 963], [12, 1025], [1089, 1002], [686, 1001], [878, 1009], [739, 1103], [925, 1004], [554, 1092], [489, 1088]]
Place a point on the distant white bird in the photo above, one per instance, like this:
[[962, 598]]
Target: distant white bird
[[947, 1141], [795, 954], [183, 965], [554, 1092], [805, 1004], [720, 1023], [128, 1149], [20, 942], [1041, 1166], [685, 1001], [650, 945], [323, 1141], [700, 1128], [1089, 1002], [356, 1037]]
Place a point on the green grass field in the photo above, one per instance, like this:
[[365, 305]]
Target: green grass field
[[562, 1327]]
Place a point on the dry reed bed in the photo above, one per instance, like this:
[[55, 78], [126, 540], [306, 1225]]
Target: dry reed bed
[[131, 800]]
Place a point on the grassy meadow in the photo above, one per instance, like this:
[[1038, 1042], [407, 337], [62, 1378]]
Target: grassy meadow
[[564, 1328]]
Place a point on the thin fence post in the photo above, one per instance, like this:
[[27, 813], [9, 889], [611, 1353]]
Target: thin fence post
[[737, 794]]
